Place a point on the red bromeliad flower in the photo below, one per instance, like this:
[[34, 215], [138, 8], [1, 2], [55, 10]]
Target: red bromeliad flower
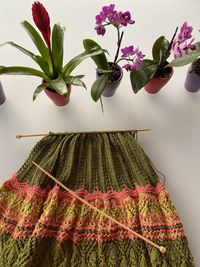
[[42, 21]]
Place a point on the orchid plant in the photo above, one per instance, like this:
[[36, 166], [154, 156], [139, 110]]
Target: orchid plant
[[181, 45], [54, 75], [109, 71]]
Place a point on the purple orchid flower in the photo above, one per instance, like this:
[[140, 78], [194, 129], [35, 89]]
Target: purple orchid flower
[[134, 63], [109, 15], [128, 51], [185, 32], [180, 44]]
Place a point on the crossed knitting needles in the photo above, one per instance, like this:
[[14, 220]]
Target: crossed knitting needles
[[161, 249]]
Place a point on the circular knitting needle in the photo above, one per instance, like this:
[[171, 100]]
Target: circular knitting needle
[[161, 249], [18, 136]]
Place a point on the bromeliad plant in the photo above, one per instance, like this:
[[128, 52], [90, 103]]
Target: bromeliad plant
[[54, 74], [181, 45], [109, 72]]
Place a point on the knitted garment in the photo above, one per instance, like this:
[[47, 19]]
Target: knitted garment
[[41, 225]]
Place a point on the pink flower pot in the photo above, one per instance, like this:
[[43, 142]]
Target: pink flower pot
[[156, 83], [57, 99]]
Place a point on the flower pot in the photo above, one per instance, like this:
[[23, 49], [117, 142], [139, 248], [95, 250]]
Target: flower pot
[[2, 95], [58, 99], [156, 83], [192, 81], [113, 85]]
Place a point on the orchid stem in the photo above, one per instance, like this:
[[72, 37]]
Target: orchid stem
[[118, 44]]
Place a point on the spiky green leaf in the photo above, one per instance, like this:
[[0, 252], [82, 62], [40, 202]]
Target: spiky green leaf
[[73, 63], [59, 85], [39, 89], [57, 47], [38, 59], [39, 43], [75, 80], [22, 71]]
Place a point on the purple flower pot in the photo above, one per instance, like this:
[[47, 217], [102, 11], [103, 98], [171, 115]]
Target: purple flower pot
[[2, 95], [192, 81], [112, 86]]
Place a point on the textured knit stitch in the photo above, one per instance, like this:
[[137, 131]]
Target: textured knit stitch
[[41, 225]]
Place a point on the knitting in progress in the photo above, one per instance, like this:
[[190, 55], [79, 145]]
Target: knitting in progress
[[42, 225]]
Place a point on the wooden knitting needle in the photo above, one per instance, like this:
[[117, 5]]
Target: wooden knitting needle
[[162, 249], [18, 136]]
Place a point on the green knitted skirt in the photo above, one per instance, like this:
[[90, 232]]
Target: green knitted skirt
[[42, 225]]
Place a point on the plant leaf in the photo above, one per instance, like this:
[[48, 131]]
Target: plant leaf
[[197, 46], [22, 71], [159, 49], [38, 59], [39, 89], [42, 48], [104, 71], [59, 86], [42, 21], [99, 86], [100, 60], [141, 77], [184, 60], [75, 80], [57, 47], [74, 62]]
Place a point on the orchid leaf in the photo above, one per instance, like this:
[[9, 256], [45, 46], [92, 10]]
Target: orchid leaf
[[197, 45], [39, 89], [59, 85], [99, 86], [139, 78], [100, 60], [159, 49], [184, 60], [38, 59], [36, 38], [100, 71], [22, 71], [57, 47], [75, 80], [73, 63]]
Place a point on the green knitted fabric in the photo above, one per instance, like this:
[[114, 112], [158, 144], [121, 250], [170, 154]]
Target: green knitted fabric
[[90, 160], [41, 225], [123, 253]]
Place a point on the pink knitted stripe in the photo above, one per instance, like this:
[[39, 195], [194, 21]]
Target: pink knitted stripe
[[31, 221], [164, 234], [36, 194]]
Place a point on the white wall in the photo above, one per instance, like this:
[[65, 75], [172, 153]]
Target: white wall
[[173, 114]]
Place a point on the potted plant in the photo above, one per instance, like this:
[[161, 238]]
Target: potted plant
[[109, 73], [2, 95], [192, 81], [155, 73], [56, 77]]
